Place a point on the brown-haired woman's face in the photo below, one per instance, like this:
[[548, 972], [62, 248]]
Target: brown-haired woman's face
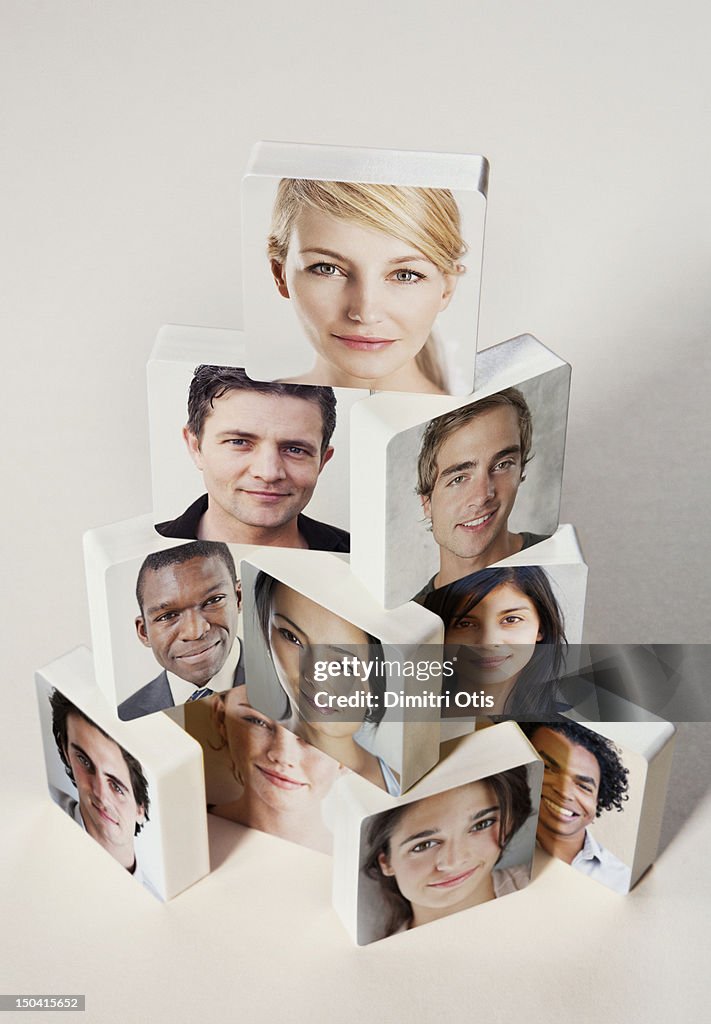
[[285, 772], [444, 848], [296, 625], [496, 638], [366, 299]]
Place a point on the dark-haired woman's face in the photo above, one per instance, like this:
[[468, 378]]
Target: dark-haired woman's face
[[296, 625], [443, 850], [496, 638]]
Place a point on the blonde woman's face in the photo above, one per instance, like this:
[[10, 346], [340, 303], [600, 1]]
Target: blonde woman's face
[[366, 300], [444, 848]]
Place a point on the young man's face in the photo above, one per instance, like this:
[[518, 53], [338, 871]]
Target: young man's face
[[478, 476], [189, 619], [260, 456], [571, 782], [106, 801]]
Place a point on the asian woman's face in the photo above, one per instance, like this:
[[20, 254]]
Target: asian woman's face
[[496, 638], [366, 300], [444, 848], [277, 767], [296, 626]]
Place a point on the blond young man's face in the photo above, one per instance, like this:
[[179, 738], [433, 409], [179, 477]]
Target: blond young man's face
[[479, 469]]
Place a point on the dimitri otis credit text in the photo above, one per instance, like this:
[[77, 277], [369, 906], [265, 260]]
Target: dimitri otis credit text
[[354, 670]]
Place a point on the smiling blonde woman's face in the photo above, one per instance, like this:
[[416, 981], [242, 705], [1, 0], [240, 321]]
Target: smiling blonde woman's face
[[367, 300], [296, 625]]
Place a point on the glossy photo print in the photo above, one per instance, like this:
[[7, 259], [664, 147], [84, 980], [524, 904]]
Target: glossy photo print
[[362, 267], [424, 860], [243, 461], [260, 774]]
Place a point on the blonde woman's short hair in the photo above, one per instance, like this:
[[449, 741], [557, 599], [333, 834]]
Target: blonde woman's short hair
[[427, 218]]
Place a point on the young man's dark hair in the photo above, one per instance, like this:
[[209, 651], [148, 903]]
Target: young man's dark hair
[[212, 382], [613, 774], [180, 554]]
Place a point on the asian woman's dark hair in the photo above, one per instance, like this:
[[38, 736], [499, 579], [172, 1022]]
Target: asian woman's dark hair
[[536, 690], [514, 801], [264, 587]]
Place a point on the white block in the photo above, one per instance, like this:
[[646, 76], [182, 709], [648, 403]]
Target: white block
[[172, 849], [276, 343], [406, 740], [113, 556], [391, 549], [630, 836], [358, 898], [176, 482]]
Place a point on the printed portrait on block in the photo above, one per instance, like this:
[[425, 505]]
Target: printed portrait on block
[[507, 631], [248, 462], [602, 796], [424, 860], [260, 774], [457, 486], [97, 782], [129, 786], [324, 660], [362, 267], [165, 617]]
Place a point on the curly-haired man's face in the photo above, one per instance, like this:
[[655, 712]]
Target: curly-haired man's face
[[571, 782]]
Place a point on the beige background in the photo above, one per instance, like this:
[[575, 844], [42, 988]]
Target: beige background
[[126, 129]]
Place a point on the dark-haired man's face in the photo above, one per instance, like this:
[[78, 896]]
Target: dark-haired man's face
[[478, 476], [106, 800], [571, 782], [189, 619], [260, 456]]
